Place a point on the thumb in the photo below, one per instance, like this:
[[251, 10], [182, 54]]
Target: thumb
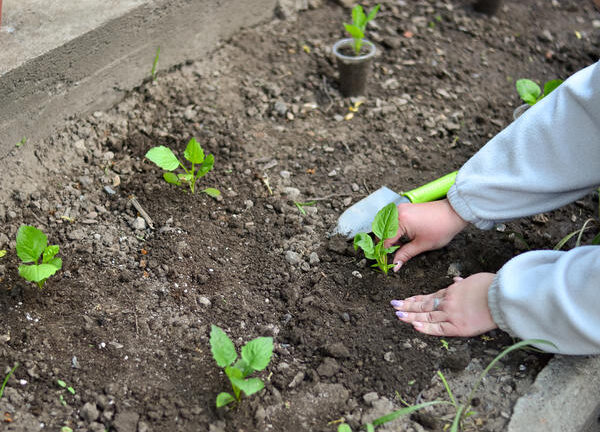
[[406, 252]]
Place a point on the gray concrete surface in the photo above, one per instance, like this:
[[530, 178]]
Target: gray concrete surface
[[564, 398], [60, 58]]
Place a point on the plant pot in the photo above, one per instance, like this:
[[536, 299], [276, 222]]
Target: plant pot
[[354, 70], [520, 110], [488, 7]]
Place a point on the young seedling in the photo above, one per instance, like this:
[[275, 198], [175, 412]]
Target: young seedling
[[2, 253], [385, 226], [64, 385], [301, 205], [155, 65], [256, 356], [12, 371], [531, 93], [166, 159], [22, 142], [463, 410], [32, 244], [359, 25]]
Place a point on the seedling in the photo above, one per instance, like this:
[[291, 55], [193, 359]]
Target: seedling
[[256, 356], [463, 410], [2, 253], [531, 93], [579, 232], [64, 385], [12, 371], [301, 205], [32, 244], [385, 226], [155, 65], [22, 142], [359, 25], [166, 159]]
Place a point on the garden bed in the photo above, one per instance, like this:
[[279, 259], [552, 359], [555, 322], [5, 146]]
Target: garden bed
[[126, 322]]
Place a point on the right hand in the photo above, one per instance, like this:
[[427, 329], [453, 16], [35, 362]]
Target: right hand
[[428, 226]]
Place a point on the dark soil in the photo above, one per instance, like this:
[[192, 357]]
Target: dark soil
[[126, 322]]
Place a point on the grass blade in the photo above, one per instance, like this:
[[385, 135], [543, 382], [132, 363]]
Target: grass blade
[[7, 378]]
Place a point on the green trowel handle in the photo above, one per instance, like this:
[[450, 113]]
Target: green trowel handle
[[431, 191]]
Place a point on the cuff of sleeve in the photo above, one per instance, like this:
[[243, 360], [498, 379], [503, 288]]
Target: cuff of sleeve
[[461, 207], [494, 296]]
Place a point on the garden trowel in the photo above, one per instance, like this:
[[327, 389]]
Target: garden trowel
[[359, 217]]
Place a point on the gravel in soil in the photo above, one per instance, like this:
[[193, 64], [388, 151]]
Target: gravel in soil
[[126, 322]]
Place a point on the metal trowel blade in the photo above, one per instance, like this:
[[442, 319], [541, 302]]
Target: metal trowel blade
[[359, 217]]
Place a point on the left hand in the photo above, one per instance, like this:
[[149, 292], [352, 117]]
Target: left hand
[[462, 308]]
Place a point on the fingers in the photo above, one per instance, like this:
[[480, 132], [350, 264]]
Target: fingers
[[443, 328]]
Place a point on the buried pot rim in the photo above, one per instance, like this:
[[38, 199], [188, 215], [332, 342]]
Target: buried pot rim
[[353, 59]]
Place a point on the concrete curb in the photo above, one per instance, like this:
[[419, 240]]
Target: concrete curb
[[565, 397]]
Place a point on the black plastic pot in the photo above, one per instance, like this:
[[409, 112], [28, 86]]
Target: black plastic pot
[[488, 7], [354, 70]]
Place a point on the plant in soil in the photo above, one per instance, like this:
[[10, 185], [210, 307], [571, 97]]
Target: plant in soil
[[463, 410], [2, 253], [359, 25], [385, 226], [531, 93], [165, 158], [32, 244], [301, 205], [579, 232], [8, 375], [256, 356], [155, 65]]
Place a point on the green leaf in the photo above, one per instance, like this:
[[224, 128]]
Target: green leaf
[[66, 429], [212, 192], [31, 243], [171, 178], [37, 273], [61, 383], [365, 242], [403, 411], [344, 428], [223, 399], [237, 370], [357, 12], [222, 347], [551, 85], [187, 177], [248, 386], [354, 31], [370, 427], [385, 224], [206, 166], [193, 152], [391, 249], [257, 353], [163, 157], [2, 253], [372, 13], [528, 90], [49, 253]]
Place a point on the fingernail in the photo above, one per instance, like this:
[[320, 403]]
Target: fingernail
[[397, 303], [398, 266], [417, 324], [401, 314]]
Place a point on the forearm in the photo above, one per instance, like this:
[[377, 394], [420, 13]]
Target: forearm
[[551, 295], [547, 158]]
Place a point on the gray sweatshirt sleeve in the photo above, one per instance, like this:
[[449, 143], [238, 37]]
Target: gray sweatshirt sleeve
[[547, 158]]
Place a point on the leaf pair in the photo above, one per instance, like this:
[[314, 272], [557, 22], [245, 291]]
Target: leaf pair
[[359, 25], [32, 244], [256, 356], [531, 93], [166, 159], [385, 226]]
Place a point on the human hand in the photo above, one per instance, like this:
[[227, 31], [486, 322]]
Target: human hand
[[428, 226], [459, 310]]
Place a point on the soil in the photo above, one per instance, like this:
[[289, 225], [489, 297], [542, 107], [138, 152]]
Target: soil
[[126, 322]]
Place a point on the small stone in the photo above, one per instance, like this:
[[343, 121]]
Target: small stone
[[313, 258], [285, 174], [126, 421], [388, 357], [89, 412], [76, 235], [204, 301], [454, 269], [371, 397], [355, 187], [109, 190], [298, 378], [292, 257], [337, 350], [332, 173], [357, 274], [138, 223], [281, 108], [291, 192]]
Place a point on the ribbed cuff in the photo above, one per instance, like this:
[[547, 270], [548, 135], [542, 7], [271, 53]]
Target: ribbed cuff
[[461, 207], [494, 296]]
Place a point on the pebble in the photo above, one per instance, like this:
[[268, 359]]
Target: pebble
[[454, 269], [109, 190], [89, 412], [328, 368], [370, 397], [292, 257], [76, 235], [138, 223], [291, 192], [313, 258]]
